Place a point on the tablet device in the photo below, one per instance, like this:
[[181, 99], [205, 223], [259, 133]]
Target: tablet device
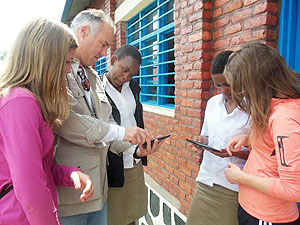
[[203, 145], [158, 138]]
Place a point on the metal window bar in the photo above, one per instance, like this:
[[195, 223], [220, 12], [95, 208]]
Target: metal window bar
[[101, 65], [150, 12], [157, 49]]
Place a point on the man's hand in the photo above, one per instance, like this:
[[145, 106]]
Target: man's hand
[[150, 149], [136, 135], [83, 182]]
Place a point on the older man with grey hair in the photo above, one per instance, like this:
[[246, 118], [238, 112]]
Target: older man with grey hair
[[84, 138]]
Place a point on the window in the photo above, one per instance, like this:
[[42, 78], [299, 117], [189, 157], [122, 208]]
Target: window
[[289, 33], [101, 65], [152, 32]]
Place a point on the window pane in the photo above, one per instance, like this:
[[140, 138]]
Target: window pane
[[156, 44]]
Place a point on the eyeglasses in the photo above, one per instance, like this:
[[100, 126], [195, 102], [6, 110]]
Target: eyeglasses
[[84, 80]]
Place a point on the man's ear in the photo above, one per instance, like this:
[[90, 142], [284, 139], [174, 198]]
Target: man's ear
[[113, 60], [84, 31]]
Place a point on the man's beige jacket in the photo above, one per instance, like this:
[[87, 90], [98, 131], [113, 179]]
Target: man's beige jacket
[[78, 142]]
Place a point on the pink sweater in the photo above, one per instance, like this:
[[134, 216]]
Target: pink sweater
[[26, 161], [277, 157]]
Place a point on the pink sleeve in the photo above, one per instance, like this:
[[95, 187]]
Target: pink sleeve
[[61, 174], [285, 131], [23, 152]]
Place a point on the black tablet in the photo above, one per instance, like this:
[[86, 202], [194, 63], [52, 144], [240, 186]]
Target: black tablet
[[203, 145]]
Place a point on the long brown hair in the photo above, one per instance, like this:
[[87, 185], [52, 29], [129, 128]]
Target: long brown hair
[[257, 73], [37, 62]]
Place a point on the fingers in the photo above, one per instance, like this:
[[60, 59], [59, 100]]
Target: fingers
[[136, 135], [231, 147], [149, 147], [87, 192], [83, 182]]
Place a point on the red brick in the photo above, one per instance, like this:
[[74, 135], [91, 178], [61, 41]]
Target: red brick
[[184, 4], [208, 5], [184, 170], [188, 11], [188, 103], [187, 84], [196, 17], [217, 12], [187, 30], [202, 25], [221, 22], [194, 94], [186, 49], [194, 75], [238, 16], [187, 67], [233, 6], [164, 173], [205, 65], [222, 43], [180, 175], [220, 2], [249, 2], [169, 169], [265, 34], [206, 14], [174, 179], [266, 6], [244, 37], [193, 166], [204, 35], [203, 45], [183, 22], [198, 6], [217, 34], [186, 120], [195, 57], [183, 93], [232, 29], [194, 113], [260, 20]]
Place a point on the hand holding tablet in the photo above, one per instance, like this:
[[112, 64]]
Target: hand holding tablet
[[203, 145]]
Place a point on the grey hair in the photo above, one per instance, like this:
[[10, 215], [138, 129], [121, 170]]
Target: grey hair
[[92, 18]]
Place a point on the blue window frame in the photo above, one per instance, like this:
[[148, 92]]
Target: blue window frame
[[289, 33], [101, 65], [152, 32]]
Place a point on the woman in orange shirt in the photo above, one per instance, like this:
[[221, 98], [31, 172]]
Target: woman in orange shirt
[[263, 86]]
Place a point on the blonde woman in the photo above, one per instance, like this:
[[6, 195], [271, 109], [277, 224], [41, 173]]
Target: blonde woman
[[263, 86], [33, 101]]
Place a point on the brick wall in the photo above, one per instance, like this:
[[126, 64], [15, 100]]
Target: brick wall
[[202, 29]]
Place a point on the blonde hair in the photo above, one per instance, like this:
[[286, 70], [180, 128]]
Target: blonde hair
[[37, 62], [257, 73]]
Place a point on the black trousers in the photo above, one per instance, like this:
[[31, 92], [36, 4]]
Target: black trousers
[[247, 219]]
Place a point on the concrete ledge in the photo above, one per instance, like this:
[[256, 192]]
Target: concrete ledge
[[130, 8], [159, 110]]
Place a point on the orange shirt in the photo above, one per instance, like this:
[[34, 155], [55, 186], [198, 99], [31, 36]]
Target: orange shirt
[[277, 157]]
